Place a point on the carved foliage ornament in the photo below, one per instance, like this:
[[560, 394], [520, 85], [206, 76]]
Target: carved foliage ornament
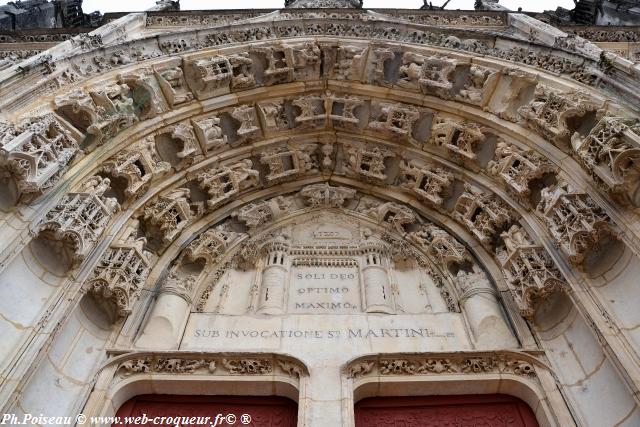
[[207, 365], [456, 364]]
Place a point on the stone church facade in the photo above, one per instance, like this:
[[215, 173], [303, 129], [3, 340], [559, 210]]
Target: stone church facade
[[340, 211]]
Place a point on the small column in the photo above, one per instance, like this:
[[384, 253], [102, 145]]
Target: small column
[[169, 314], [478, 300], [377, 288], [274, 277]]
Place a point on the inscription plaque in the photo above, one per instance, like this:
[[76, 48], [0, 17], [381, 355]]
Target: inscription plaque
[[318, 290]]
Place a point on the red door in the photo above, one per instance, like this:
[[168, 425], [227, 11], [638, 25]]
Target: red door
[[192, 411], [444, 411]]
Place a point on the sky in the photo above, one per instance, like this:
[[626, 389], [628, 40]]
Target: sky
[[139, 5]]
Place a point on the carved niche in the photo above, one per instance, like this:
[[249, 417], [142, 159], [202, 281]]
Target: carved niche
[[101, 112], [224, 182], [78, 221], [458, 137], [247, 117], [35, 154], [395, 119], [441, 245], [530, 272], [574, 220], [343, 109], [433, 75], [612, 153], [324, 195], [274, 116], [311, 111], [518, 167], [138, 165], [431, 184], [549, 113], [210, 134], [286, 162], [367, 162], [345, 62], [172, 82], [210, 245], [254, 215], [396, 215], [289, 62], [167, 215], [208, 77], [483, 214], [120, 274]]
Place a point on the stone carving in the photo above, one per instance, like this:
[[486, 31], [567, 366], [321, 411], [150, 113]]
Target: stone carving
[[574, 220], [145, 91], [183, 366], [187, 142], [459, 138], [433, 75], [479, 86], [293, 369], [173, 84], [78, 221], [367, 162], [549, 111], [445, 364], [324, 195], [257, 214], [210, 245], [342, 109], [287, 162], [287, 63], [518, 167], [318, 4], [612, 153], [135, 366], [138, 165], [248, 366], [485, 215], [102, 112], [210, 134], [224, 182], [375, 70], [274, 116], [120, 275], [189, 365], [440, 245], [168, 214], [311, 111], [396, 119], [35, 154], [209, 76], [530, 272], [176, 284], [361, 368], [246, 115], [349, 63], [431, 184], [398, 216]]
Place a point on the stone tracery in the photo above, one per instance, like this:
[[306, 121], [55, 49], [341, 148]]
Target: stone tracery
[[350, 144]]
